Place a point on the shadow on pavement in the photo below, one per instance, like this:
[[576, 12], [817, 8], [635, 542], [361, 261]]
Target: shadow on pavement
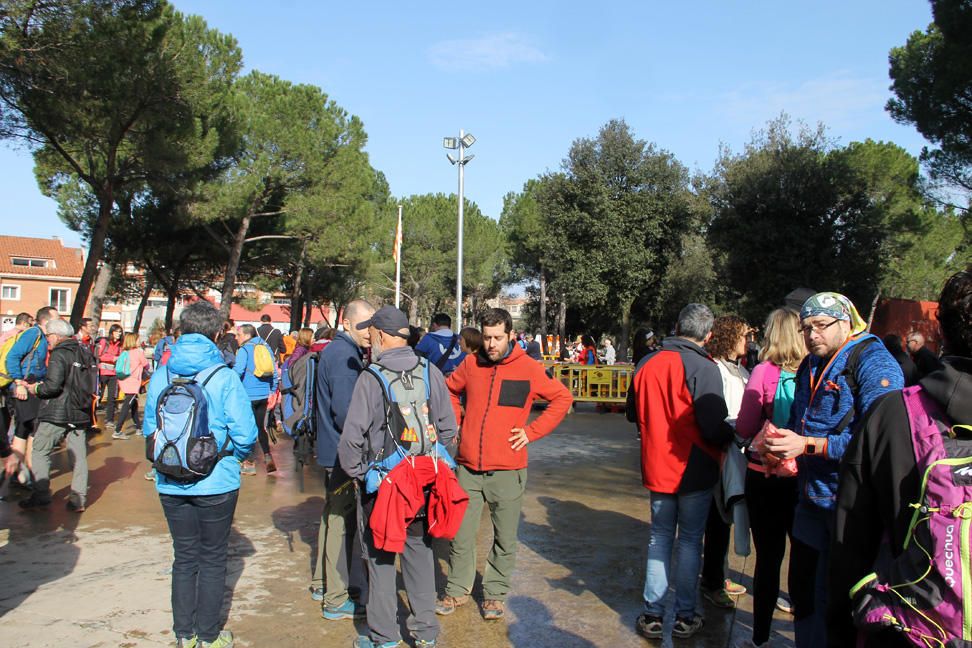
[[534, 626], [302, 519], [240, 548]]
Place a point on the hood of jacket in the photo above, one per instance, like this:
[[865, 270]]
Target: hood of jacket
[[512, 355], [397, 359], [192, 353], [951, 386]]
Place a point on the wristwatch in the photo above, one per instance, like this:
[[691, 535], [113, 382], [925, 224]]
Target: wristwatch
[[815, 446]]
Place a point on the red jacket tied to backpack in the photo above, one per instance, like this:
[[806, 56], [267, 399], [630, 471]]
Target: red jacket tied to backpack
[[401, 496], [498, 399]]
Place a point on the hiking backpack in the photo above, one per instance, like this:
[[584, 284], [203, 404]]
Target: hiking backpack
[[409, 430], [123, 365], [263, 365], [926, 592], [82, 383], [297, 404], [182, 447], [8, 344]]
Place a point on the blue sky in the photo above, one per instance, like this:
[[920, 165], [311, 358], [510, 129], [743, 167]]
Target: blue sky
[[528, 78]]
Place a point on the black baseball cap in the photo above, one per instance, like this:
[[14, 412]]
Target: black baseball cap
[[388, 319]]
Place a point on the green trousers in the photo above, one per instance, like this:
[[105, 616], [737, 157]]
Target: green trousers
[[334, 538], [502, 491]]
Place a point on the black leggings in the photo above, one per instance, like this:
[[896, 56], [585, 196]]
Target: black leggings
[[715, 549], [130, 404], [771, 503], [109, 388], [260, 414]]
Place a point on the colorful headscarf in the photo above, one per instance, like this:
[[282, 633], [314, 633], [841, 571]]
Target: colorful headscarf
[[835, 305]]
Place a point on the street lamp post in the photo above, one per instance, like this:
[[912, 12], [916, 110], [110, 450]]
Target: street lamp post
[[461, 143]]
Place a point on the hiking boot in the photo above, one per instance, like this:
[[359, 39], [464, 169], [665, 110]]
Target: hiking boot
[[150, 475], [649, 626], [448, 604], [36, 500], [347, 610], [733, 588], [191, 642], [271, 466], [718, 597], [248, 468], [75, 503], [493, 610], [317, 593], [224, 640], [783, 605], [685, 628], [366, 642]]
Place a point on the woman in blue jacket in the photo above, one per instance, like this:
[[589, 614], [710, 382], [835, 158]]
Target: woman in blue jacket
[[258, 390], [200, 514]]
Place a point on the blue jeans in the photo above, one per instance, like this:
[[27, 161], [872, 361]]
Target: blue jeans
[[200, 528], [687, 513]]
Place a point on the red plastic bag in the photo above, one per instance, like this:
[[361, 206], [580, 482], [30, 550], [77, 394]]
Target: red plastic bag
[[773, 464]]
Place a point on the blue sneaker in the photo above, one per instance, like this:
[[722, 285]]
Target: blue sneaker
[[366, 642], [317, 593], [348, 610]]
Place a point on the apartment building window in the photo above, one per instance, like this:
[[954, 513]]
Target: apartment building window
[[11, 292], [30, 263], [60, 298]]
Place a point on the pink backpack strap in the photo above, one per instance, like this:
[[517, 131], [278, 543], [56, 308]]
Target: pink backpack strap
[[925, 435]]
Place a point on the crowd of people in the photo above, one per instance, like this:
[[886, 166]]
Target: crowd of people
[[807, 441]]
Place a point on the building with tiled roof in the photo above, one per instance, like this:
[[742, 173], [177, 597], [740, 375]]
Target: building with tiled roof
[[37, 272]]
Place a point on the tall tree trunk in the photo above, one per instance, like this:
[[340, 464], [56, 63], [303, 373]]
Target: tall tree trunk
[[874, 303], [543, 311], [233, 266], [172, 291], [622, 342], [296, 302], [141, 305], [99, 292], [95, 251], [562, 326], [308, 302], [413, 304]]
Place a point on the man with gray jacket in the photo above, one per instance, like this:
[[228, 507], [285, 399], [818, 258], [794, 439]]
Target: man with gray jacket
[[366, 430]]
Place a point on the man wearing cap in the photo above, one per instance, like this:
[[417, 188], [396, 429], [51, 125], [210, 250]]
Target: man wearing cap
[[337, 368], [846, 371], [364, 440]]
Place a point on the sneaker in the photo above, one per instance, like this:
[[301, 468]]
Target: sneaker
[[784, 605], [317, 593], [75, 503], [719, 598], [110, 427], [348, 610], [685, 628], [271, 467], [150, 475], [248, 468], [366, 642], [448, 604], [422, 643], [649, 626], [734, 589], [224, 640], [36, 500], [492, 610], [191, 642], [118, 434]]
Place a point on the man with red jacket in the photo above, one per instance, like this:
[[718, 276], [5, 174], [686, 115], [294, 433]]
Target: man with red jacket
[[681, 412], [500, 384]]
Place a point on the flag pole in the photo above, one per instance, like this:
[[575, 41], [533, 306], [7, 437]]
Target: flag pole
[[398, 260]]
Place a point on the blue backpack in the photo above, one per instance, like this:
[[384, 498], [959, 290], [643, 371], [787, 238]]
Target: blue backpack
[[297, 404], [182, 447]]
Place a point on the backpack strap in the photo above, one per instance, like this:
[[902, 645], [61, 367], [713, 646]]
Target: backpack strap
[[850, 375], [444, 358]]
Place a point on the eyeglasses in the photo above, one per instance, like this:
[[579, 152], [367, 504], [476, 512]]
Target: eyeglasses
[[818, 328]]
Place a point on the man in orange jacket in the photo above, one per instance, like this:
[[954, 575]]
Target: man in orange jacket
[[500, 384]]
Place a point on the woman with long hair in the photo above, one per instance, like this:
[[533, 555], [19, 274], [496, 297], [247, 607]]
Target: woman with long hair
[[305, 339], [107, 350], [771, 500], [130, 385]]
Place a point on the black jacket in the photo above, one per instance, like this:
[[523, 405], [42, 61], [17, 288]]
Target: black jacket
[[926, 361], [56, 403], [879, 479], [272, 337]]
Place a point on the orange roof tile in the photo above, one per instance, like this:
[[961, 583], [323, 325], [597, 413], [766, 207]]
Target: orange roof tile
[[67, 261]]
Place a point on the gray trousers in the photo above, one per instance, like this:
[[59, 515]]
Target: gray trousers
[[338, 554], [47, 437], [418, 572]]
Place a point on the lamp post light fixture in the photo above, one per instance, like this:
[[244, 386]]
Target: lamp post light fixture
[[461, 143]]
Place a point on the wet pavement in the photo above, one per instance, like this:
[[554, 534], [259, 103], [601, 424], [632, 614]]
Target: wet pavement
[[101, 578]]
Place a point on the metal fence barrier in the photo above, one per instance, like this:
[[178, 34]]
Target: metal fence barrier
[[593, 383]]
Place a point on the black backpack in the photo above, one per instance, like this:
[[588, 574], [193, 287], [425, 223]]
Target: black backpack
[[82, 383]]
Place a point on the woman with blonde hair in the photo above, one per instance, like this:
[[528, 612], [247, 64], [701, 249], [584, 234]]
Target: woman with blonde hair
[[771, 500], [133, 361]]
